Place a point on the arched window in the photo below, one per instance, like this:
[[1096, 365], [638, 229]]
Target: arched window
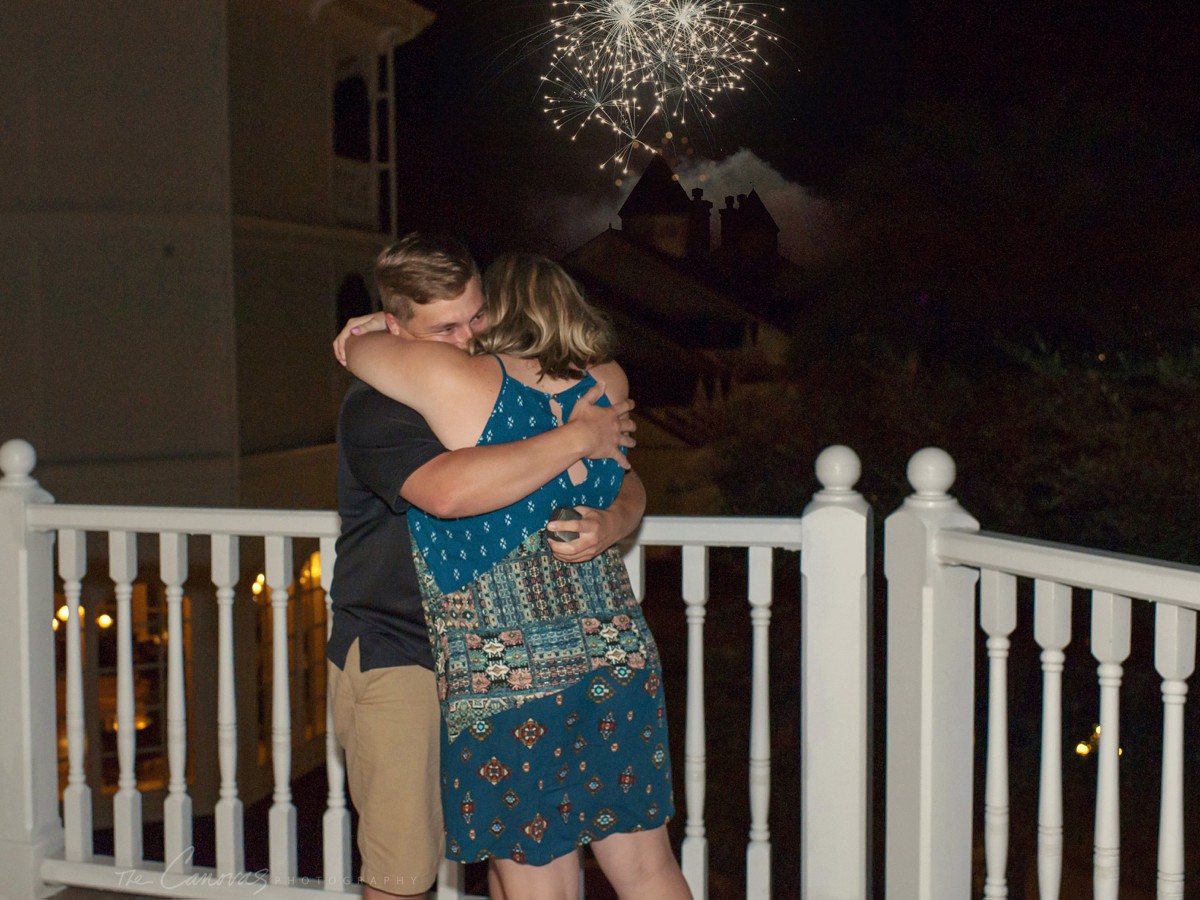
[[352, 119]]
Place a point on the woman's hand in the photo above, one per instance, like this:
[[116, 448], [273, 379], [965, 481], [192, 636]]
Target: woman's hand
[[594, 532], [609, 428], [375, 321]]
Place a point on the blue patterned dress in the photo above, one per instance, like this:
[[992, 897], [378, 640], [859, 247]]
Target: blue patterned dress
[[553, 724]]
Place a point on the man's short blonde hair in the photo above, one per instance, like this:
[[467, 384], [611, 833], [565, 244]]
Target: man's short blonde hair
[[422, 268]]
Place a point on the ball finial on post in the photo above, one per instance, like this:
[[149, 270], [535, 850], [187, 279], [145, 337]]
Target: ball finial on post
[[931, 472], [838, 469], [17, 461]]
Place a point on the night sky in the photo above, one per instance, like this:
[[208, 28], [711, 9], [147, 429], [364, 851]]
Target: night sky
[[488, 164], [485, 162]]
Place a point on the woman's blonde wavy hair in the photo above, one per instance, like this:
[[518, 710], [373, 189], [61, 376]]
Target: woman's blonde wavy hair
[[536, 311]]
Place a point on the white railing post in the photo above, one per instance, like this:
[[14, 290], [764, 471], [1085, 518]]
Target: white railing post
[[694, 851], [835, 679], [930, 691], [177, 808], [30, 828], [1111, 639], [335, 824], [758, 848], [128, 836], [77, 796], [998, 616], [1052, 632], [1175, 659], [281, 820], [229, 813]]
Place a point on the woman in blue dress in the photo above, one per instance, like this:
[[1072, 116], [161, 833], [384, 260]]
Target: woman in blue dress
[[553, 722]]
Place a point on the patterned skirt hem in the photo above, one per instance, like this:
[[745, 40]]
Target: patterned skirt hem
[[561, 772], [540, 855]]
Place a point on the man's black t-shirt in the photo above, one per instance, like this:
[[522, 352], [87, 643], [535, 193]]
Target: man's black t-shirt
[[375, 593]]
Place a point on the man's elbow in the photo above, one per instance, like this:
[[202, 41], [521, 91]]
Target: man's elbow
[[450, 503]]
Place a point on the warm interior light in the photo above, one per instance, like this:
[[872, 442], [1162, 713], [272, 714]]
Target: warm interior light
[[104, 620], [1083, 748], [63, 612], [140, 723]]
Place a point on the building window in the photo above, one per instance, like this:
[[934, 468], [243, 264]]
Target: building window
[[352, 119], [363, 182]]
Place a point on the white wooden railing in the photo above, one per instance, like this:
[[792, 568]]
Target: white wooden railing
[[936, 560], [938, 564], [40, 849]]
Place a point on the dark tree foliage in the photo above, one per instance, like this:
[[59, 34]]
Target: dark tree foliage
[[1088, 453]]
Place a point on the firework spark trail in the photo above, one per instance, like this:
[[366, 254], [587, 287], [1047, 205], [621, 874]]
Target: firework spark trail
[[623, 64]]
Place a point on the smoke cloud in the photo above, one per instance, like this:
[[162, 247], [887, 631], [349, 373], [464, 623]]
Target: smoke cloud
[[807, 225]]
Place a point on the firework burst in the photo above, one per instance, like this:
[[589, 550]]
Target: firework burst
[[638, 66]]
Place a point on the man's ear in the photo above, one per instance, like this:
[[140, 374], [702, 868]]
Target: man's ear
[[394, 326]]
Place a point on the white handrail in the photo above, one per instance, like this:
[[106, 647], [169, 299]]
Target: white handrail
[[718, 531], [655, 531], [1099, 570], [185, 520]]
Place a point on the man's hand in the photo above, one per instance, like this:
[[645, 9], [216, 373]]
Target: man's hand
[[607, 429], [375, 321]]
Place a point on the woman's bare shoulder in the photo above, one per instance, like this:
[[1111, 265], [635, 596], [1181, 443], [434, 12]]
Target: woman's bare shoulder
[[616, 384]]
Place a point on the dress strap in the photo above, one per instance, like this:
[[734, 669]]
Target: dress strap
[[496, 356]]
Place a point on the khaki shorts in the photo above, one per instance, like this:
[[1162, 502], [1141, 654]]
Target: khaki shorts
[[388, 722]]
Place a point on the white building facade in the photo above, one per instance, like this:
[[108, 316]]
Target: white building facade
[[188, 192], [191, 198]]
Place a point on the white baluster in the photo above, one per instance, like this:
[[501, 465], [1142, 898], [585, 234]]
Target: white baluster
[[335, 824], [177, 808], [77, 798], [127, 803], [695, 842], [451, 880], [231, 853], [1110, 647], [998, 617], [758, 851], [1052, 631], [1175, 659], [282, 817]]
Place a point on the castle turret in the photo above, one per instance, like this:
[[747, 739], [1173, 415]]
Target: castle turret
[[699, 238], [747, 230], [658, 213]]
